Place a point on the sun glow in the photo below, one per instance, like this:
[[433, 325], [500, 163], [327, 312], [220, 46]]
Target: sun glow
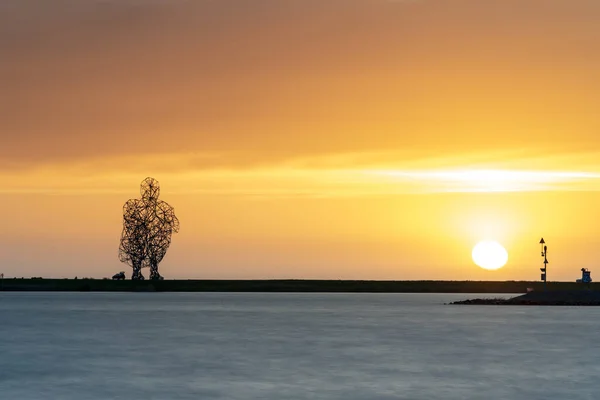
[[490, 255], [488, 180]]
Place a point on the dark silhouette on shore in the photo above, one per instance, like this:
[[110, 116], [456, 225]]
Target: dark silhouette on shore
[[580, 297], [119, 277], [148, 224], [291, 286]]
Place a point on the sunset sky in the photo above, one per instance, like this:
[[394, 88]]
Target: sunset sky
[[342, 139]]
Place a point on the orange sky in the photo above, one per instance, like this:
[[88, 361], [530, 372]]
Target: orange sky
[[351, 139]]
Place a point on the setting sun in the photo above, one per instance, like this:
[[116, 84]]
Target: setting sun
[[489, 255]]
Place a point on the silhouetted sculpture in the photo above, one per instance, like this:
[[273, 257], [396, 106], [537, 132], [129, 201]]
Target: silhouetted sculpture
[[148, 224]]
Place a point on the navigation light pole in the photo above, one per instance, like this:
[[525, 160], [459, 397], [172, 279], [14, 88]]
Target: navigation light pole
[[544, 254]]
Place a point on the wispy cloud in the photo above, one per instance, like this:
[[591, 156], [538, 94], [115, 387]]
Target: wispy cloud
[[342, 175], [476, 180]]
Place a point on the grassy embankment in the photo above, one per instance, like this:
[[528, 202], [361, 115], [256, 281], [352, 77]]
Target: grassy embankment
[[314, 286]]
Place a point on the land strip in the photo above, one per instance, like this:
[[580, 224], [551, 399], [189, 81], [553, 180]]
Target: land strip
[[291, 286]]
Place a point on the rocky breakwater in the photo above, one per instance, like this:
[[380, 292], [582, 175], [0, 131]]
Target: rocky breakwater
[[551, 298]]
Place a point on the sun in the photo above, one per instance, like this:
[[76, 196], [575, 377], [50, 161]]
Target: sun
[[490, 255]]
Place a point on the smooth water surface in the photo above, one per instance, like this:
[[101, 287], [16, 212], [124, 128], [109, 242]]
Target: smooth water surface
[[292, 346]]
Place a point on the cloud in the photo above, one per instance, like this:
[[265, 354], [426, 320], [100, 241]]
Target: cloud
[[497, 180], [251, 83], [336, 175]]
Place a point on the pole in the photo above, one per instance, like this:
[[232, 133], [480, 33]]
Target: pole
[[545, 269]]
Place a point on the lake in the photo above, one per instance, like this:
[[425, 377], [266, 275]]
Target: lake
[[269, 346]]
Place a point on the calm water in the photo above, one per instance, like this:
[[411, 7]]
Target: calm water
[[292, 346]]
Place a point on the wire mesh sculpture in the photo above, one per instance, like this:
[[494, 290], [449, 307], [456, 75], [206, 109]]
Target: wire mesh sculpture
[[148, 224]]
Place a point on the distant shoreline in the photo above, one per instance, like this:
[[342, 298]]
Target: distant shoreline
[[542, 298], [284, 286]]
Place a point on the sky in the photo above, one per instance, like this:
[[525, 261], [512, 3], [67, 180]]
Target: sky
[[327, 139]]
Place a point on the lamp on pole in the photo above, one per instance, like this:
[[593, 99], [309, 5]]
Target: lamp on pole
[[544, 254]]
